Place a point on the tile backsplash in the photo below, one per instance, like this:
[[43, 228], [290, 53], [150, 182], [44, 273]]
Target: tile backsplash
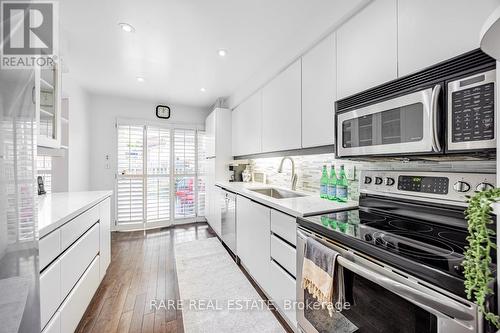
[[308, 169]]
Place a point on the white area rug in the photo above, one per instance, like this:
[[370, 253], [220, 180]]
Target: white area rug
[[215, 293]]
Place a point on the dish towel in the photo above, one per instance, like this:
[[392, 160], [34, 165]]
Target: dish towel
[[322, 277]]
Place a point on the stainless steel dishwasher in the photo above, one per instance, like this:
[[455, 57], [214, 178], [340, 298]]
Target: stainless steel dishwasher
[[228, 220]]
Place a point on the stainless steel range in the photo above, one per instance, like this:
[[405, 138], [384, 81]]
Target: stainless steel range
[[401, 252]]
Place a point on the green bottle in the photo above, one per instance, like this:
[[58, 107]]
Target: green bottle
[[342, 186], [323, 190], [332, 184]]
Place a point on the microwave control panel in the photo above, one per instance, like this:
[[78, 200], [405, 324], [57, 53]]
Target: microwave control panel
[[473, 113]]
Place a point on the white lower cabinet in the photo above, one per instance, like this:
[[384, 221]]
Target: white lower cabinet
[[50, 292], [54, 325], [253, 239], [71, 272], [78, 257], [105, 236], [77, 301], [283, 291]]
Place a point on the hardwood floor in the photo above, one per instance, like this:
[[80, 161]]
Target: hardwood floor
[[142, 269]]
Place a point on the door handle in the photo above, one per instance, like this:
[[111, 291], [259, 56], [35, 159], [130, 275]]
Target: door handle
[[436, 145]]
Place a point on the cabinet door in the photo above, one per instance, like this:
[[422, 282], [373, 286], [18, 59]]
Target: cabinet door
[[319, 94], [210, 134], [216, 214], [247, 126], [105, 236], [48, 106], [253, 239], [367, 48], [433, 31], [281, 111]]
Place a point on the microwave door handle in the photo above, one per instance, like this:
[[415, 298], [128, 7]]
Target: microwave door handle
[[434, 114]]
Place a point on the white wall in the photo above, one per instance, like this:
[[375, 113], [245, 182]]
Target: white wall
[[104, 112], [79, 135]]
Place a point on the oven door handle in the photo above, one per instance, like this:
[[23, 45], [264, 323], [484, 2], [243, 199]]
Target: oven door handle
[[431, 303], [434, 118]]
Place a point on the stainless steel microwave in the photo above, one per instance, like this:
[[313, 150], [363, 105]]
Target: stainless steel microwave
[[402, 125], [446, 109]]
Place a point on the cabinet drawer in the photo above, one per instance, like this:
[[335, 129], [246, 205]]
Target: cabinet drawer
[[284, 254], [77, 301], [54, 325], [284, 225], [283, 290], [72, 230], [77, 258], [49, 248], [50, 291]]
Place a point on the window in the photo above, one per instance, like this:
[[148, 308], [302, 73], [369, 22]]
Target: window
[[44, 169], [202, 172], [157, 175]]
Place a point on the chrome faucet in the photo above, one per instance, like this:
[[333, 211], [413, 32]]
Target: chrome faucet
[[294, 175]]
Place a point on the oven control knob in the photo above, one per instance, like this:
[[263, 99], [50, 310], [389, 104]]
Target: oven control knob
[[389, 181], [368, 180], [484, 186], [378, 180], [368, 238], [461, 186]]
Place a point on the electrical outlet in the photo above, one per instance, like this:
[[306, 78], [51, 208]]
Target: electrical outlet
[[350, 172]]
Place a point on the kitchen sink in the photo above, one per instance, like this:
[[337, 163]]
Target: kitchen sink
[[277, 193]]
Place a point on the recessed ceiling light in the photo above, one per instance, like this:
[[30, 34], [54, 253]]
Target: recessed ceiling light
[[126, 27], [203, 89], [140, 79], [222, 52]]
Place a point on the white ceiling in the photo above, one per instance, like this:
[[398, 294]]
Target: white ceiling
[[176, 41]]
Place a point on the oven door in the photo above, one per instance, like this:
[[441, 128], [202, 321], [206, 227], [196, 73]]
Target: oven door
[[403, 125], [382, 300]]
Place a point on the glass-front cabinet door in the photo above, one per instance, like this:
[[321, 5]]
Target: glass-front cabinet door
[[48, 104]]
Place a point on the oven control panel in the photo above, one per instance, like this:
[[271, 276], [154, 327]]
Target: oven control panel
[[422, 184], [447, 186]]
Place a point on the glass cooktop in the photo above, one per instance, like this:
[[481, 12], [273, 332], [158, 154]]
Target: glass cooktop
[[431, 251]]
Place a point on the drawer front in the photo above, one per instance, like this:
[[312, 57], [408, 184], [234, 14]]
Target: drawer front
[[72, 230], [50, 291], [283, 290], [77, 301], [49, 248], [54, 325], [105, 240], [77, 258], [284, 254], [285, 226]]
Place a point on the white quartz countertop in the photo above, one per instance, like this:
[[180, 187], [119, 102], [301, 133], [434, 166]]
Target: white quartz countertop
[[310, 204], [55, 209]]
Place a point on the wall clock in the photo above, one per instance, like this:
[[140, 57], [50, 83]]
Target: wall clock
[[163, 111]]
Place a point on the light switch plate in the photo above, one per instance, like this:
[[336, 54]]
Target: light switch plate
[[350, 172]]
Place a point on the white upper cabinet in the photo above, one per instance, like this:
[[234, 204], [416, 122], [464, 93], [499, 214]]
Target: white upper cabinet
[[431, 31], [367, 48], [281, 111], [247, 126], [210, 134], [319, 94]]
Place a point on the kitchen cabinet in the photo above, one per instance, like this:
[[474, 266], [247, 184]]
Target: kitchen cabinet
[[105, 236], [218, 135], [319, 94], [367, 48], [432, 31], [281, 111], [253, 239], [47, 95], [247, 126]]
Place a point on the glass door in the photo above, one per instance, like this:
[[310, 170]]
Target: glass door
[[47, 95], [158, 177]]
